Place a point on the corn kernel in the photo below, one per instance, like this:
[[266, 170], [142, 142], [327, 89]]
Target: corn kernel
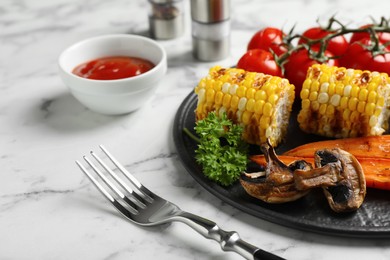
[[239, 115], [241, 90], [372, 86], [260, 95], [369, 109], [271, 90], [344, 102], [324, 78], [218, 98], [322, 109], [201, 96], [347, 90], [323, 98], [273, 99], [381, 101], [355, 91], [335, 100], [372, 97], [315, 86], [340, 89], [377, 111], [246, 117], [313, 96], [315, 105], [346, 114], [221, 111], [233, 89], [234, 102], [304, 93], [226, 87], [350, 72], [373, 121], [242, 103], [331, 89], [306, 84], [352, 103], [305, 104], [226, 100], [354, 116], [210, 94], [250, 93], [264, 122], [363, 94], [267, 109], [361, 106], [324, 87], [330, 110], [250, 105], [259, 106]]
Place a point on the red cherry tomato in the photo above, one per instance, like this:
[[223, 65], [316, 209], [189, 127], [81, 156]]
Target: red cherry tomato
[[380, 63], [337, 45], [358, 57], [358, 36], [298, 64], [268, 38], [258, 60]]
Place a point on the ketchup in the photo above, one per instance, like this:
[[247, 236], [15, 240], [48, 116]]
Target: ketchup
[[115, 67]]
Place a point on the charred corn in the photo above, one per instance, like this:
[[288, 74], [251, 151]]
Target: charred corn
[[260, 103], [340, 103]]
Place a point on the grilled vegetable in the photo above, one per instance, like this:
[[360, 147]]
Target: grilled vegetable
[[339, 102], [376, 170], [373, 153], [340, 176], [369, 146], [277, 184], [260, 103]]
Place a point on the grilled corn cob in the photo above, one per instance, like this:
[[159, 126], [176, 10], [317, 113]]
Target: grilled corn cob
[[340, 103], [260, 103]]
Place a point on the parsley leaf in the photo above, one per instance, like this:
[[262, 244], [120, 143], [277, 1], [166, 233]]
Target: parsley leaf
[[221, 151]]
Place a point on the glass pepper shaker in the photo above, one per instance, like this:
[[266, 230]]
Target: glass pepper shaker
[[210, 29], [166, 19]]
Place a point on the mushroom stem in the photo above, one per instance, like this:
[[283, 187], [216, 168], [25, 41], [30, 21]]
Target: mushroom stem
[[328, 175]]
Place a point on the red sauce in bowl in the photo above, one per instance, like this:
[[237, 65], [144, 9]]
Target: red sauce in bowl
[[115, 67]]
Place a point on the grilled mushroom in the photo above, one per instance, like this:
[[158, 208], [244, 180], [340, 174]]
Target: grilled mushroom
[[341, 177], [276, 183]]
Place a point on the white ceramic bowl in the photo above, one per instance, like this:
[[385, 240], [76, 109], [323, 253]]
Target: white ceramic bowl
[[120, 96]]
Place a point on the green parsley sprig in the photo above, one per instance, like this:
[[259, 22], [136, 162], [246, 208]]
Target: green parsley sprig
[[221, 151]]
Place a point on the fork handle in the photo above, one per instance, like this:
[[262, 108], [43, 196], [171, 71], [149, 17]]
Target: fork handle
[[229, 240]]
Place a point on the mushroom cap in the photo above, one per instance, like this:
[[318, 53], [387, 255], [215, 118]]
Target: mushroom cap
[[347, 193]]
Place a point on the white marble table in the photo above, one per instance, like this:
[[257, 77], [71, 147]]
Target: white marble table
[[49, 210]]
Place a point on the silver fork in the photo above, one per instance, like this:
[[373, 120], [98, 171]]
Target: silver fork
[[143, 207]]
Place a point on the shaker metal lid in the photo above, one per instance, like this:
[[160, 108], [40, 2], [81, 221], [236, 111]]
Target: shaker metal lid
[[210, 11]]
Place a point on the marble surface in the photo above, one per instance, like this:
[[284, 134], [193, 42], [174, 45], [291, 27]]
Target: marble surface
[[50, 210]]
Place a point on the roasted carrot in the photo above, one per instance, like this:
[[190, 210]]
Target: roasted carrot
[[376, 170], [370, 146]]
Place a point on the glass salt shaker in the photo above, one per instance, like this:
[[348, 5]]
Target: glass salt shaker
[[166, 19], [210, 29]]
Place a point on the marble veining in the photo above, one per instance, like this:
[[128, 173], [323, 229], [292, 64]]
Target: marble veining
[[49, 210]]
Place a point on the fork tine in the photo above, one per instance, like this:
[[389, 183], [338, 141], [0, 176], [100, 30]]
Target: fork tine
[[139, 200], [144, 192], [97, 184], [133, 205], [107, 195]]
